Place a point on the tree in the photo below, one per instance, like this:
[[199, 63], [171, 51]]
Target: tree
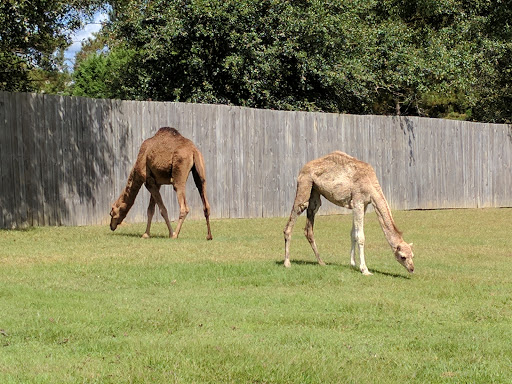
[[416, 57], [449, 58], [32, 32], [105, 75], [50, 81], [270, 54]]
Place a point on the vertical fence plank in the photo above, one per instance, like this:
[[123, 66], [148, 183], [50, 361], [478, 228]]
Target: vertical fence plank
[[7, 219], [209, 118], [3, 164], [45, 156], [19, 159], [504, 165]]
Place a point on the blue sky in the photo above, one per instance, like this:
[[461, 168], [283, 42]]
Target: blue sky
[[82, 35]]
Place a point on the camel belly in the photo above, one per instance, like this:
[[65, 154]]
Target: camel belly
[[161, 176], [336, 193]]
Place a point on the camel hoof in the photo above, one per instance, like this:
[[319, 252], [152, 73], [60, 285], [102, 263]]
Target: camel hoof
[[145, 236], [287, 264]]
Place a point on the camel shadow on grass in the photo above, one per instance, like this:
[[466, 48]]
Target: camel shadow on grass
[[305, 262], [345, 266], [139, 236]]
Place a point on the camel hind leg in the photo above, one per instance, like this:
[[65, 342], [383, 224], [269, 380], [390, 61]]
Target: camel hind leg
[[314, 205], [201, 187], [301, 202], [151, 212]]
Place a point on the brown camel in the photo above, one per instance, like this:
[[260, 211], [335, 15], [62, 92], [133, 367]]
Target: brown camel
[[166, 158], [350, 183]]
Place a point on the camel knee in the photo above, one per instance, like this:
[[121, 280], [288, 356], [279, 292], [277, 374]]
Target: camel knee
[[163, 211], [359, 237], [288, 228], [299, 208], [184, 213], [287, 233], [308, 232]]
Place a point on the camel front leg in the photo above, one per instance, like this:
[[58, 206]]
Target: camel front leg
[[358, 238], [154, 189], [288, 229]]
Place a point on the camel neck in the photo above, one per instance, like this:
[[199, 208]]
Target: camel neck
[[392, 234], [131, 189]]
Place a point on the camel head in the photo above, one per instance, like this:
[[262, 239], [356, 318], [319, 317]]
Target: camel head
[[404, 255], [117, 214]]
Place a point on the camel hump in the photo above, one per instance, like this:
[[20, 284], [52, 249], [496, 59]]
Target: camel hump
[[169, 130]]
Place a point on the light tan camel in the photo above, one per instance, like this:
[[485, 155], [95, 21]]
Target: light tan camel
[[166, 158], [350, 183]]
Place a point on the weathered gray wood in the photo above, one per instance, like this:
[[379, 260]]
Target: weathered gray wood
[[6, 164], [18, 158], [3, 166], [64, 160], [45, 155]]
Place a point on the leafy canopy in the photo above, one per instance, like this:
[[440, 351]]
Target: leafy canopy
[[33, 36], [438, 58]]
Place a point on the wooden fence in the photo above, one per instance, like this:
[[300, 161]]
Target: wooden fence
[[64, 160]]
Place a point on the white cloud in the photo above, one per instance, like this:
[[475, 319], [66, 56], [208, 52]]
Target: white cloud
[[82, 35]]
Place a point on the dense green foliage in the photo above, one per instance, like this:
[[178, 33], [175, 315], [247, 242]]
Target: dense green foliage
[[105, 76], [87, 305], [447, 58], [32, 38]]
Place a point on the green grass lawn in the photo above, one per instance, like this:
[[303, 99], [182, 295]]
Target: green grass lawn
[[87, 305]]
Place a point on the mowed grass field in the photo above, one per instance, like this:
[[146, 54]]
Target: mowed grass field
[[87, 305]]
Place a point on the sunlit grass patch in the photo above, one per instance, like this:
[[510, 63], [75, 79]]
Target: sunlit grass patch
[[89, 305]]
